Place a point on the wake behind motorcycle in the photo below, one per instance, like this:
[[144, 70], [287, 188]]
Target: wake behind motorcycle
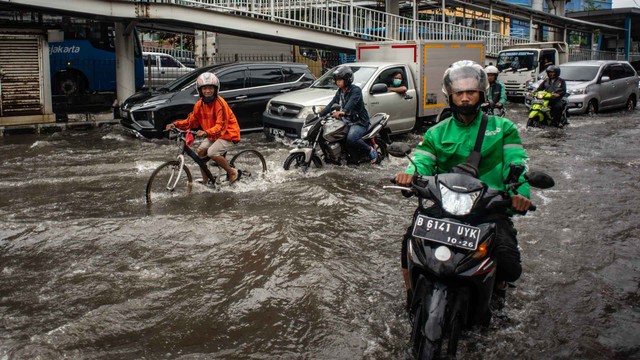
[[323, 138], [450, 253], [540, 112]]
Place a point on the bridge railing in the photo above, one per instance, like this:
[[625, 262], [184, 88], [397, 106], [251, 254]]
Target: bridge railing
[[577, 54], [342, 17]]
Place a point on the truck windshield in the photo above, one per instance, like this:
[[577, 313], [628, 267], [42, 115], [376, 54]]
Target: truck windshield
[[517, 60], [361, 75]]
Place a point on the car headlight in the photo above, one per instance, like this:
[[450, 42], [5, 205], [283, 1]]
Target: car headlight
[[456, 203], [578, 91], [154, 102], [266, 109], [305, 111]]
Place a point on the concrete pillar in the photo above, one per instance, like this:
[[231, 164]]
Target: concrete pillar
[[125, 65], [393, 27], [627, 37]]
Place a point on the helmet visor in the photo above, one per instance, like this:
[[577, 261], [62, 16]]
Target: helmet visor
[[467, 84]]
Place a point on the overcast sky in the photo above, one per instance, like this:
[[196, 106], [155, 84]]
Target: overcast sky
[[625, 3]]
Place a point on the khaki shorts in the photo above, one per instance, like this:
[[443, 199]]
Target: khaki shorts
[[216, 148]]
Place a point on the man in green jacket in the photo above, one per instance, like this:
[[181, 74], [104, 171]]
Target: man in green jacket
[[450, 142]]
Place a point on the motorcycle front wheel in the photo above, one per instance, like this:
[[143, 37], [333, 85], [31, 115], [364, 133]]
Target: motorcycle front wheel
[[297, 161]]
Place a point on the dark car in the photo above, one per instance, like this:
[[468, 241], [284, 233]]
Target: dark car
[[246, 87]]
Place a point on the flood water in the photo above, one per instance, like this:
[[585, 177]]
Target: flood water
[[297, 266]]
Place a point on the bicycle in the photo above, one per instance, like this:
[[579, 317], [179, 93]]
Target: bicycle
[[168, 178]]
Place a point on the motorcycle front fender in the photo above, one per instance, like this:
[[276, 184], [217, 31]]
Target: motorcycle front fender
[[434, 326], [308, 152]]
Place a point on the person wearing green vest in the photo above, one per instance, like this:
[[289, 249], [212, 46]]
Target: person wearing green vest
[[450, 142], [496, 97]]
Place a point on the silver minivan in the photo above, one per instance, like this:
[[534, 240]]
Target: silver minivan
[[160, 69], [595, 85]]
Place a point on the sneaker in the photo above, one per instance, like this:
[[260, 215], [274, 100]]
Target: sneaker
[[498, 296], [373, 154]]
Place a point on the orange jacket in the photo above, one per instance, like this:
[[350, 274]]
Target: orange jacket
[[215, 118]]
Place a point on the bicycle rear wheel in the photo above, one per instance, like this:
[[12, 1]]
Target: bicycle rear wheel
[[167, 180], [250, 162]]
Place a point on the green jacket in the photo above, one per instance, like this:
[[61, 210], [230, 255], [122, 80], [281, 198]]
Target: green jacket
[[450, 142]]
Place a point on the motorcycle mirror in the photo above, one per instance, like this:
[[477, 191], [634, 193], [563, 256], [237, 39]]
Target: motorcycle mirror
[[399, 149], [539, 179], [310, 117]]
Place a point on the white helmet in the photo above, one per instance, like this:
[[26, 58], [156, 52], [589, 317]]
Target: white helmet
[[464, 75], [207, 79], [491, 70]]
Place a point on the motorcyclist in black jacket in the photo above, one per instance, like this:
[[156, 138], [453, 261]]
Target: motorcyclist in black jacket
[[353, 112], [558, 87]]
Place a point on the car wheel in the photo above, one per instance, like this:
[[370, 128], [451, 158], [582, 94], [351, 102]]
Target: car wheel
[[591, 108], [631, 104]]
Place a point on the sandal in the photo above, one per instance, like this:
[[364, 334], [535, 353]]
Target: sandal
[[239, 175]]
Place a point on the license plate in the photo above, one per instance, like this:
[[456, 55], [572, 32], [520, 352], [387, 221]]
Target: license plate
[[276, 132], [447, 232]]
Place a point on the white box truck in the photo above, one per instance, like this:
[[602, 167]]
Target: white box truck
[[522, 63], [422, 64]]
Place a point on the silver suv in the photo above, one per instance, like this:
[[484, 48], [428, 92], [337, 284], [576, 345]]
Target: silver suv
[[596, 85]]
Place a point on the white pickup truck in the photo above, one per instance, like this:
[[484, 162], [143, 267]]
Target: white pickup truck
[[422, 65], [160, 69]]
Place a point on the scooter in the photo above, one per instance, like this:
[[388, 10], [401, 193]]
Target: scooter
[[450, 253], [489, 108], [540, 112], [323, 138]]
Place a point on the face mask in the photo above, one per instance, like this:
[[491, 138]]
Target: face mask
[[397, 82], [208, 99]]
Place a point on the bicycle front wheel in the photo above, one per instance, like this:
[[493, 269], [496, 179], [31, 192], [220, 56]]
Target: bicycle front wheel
[[168, 180], [250, 162]]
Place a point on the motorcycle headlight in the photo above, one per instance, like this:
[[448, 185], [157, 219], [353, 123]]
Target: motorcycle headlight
[[456, 203], [578, 91], [305, 111], [305, 131]]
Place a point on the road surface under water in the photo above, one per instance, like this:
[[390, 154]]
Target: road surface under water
[[297, 266]]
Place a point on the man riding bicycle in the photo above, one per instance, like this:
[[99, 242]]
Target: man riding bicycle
[[215, 120]]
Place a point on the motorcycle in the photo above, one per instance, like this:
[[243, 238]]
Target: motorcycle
[[490, 109], [450, 261], [323, 138], [540, 112]]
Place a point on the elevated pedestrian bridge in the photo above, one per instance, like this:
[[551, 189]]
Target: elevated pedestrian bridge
[[319, 23]]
